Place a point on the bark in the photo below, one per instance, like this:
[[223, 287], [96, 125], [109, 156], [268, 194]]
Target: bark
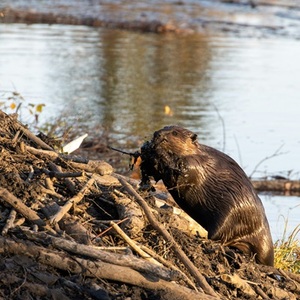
[[99, 269]]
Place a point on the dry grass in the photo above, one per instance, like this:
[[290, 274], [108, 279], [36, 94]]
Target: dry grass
[[287, 252]]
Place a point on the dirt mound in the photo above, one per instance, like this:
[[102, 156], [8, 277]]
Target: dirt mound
[[72, 228]]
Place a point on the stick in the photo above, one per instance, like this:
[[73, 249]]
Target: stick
[[185, 260], [54, 155], [63, 210], [133, 245], [31, 136], [21, 208], [70, 185], [169, 265], [62, 175], [98, 269], [96, 253], [9, 222]]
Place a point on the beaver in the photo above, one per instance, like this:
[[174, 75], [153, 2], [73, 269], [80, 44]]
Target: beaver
[[212, 188]]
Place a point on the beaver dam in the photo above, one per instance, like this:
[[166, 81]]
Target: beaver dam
[[73, 228]]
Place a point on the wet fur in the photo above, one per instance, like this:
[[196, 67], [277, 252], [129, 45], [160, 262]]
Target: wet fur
[[212, 188]]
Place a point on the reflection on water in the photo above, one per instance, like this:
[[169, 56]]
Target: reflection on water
[[239, 95]]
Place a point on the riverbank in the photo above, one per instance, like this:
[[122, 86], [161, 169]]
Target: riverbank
[[71, 225], [260, 19]]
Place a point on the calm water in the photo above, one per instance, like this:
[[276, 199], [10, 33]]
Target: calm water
[[241, 96]]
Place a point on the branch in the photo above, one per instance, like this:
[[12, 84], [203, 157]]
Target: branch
[[99, 269], [21, 208], [63, 210], [276, 153], [96, 253], [185, 260]]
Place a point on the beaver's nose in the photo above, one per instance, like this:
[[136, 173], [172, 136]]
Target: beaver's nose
[[159, 136]]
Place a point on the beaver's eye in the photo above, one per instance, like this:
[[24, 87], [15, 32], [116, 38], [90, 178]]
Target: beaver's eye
[[156, 134], [194, 137], [175, 133]]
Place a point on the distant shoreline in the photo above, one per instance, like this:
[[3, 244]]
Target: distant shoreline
[[258, 19]]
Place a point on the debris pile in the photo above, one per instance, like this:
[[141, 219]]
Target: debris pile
[[72, 228]]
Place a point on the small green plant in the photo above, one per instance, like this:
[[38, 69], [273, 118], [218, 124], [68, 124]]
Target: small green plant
[[13, 102], [287, 252]]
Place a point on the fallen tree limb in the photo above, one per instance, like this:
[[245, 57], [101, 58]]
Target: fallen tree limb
[[167, 290], [130, 261], [279, 185], [181, 255]]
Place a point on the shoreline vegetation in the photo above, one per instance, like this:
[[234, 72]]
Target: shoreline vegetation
[[257, 18], [81, 225]]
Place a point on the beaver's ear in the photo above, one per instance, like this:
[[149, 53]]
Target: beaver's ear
[[194, 137]]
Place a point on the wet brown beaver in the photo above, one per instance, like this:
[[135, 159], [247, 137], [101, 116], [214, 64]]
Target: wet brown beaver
[[212, 188]]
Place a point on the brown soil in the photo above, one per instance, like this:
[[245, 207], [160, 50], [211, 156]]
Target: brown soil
[[28, 262]]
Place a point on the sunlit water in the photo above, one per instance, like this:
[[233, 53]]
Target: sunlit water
[[241, 96]]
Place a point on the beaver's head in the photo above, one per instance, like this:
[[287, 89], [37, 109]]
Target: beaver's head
[[162, 156], [175, 140]]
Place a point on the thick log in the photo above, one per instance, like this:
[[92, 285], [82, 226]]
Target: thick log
[[99, 269], [279, 185], [130, 261]]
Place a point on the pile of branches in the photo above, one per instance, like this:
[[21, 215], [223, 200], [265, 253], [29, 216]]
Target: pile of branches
[[72, 227]]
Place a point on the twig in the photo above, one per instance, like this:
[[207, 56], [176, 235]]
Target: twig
[[54, 155], [49, 184], [109, 228], [30, 175], [31, 136], [169, 265], [9, 222], [133, 245], [260, 292], [62, 175], [223, 128], [276, 153], [70, 185], [48, 153], [63, 210], [185, 260], [239, 150], [14, 140], [50, 192]]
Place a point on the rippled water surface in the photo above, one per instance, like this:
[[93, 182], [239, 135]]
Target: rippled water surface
[[241, 96]]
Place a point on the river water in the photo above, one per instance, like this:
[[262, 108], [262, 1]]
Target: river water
[[239, 95]]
